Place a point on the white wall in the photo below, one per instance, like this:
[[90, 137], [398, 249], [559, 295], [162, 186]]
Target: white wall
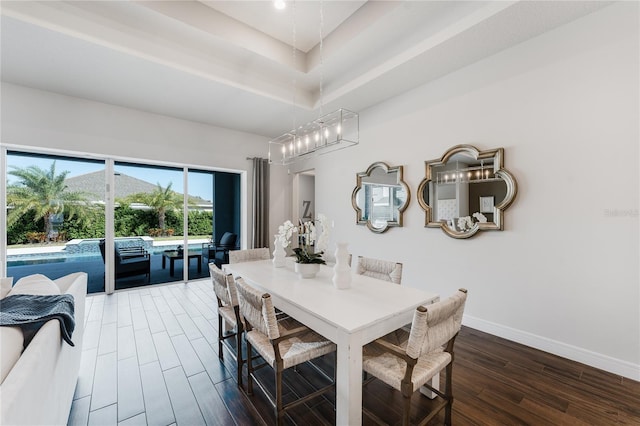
[[34, 118], [563, 276]]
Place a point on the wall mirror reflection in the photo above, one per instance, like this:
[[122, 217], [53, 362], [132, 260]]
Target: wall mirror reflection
[[380, 197], [466, 191]]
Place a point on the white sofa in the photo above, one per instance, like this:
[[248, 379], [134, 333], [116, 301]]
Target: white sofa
[[39, 388]]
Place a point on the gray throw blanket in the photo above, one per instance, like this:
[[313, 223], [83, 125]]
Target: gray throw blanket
[[31, 312]]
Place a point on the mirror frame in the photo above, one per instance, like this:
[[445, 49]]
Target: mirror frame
[[499, 171], [387, 169]]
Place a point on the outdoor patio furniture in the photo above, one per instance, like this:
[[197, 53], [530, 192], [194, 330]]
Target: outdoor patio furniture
[[174, 255], [130, 261], [218, 253]]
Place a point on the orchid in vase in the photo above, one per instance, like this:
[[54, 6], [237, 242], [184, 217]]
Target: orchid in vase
[[312, 242], [285, 232]]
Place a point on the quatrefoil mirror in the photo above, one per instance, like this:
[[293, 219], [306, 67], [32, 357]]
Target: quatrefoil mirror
[[466, 191], [380, 197]]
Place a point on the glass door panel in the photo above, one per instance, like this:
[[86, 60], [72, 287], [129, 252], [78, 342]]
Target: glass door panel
[[148, 224], [55, 217], [200, 221]]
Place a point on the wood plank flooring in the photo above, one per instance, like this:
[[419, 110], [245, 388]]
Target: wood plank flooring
[[150, 358]]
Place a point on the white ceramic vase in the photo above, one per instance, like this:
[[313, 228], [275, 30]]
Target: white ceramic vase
[[342, 270], [278, 254], [307, 270]]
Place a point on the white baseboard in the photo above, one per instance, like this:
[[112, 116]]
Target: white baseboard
[[574, 353]]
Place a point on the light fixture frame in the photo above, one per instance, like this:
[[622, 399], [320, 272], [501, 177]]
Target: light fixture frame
[[331, 132]]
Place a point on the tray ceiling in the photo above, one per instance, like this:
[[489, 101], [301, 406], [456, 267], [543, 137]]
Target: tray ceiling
[[232, 63]]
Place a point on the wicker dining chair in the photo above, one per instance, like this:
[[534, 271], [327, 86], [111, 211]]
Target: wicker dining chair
[[228, 312], [281, 344], [408, 361], [380, 269], [249, 255]]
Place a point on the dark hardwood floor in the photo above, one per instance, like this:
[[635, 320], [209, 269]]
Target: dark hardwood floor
[[150, 358]]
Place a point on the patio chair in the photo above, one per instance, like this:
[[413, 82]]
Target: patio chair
[[130, 261], [218, 253]]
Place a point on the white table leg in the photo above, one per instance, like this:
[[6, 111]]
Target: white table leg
[[435, 383], [348, 382]]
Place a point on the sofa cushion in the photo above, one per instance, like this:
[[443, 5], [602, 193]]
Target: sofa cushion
[[12, 341], [5, 286], [35, 284], [46, 374]]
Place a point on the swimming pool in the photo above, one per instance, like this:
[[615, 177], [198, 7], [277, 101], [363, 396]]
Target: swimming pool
[[25, 259]]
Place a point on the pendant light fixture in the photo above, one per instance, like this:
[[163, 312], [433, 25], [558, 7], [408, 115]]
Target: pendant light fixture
[[329, 132]]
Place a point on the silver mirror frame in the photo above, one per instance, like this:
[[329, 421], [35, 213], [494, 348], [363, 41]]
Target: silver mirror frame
[[499, 171], [387, 169]]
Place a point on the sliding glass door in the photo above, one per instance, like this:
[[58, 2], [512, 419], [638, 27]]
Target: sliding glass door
[[148, 224], [55, 217]]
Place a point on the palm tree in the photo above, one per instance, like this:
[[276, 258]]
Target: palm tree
[[160, 200], [45, 194]]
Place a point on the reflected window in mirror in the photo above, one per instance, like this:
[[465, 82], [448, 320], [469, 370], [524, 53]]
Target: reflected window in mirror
[[380, 197], [466, 191]]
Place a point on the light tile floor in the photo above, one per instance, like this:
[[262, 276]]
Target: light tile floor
[[150, 357]]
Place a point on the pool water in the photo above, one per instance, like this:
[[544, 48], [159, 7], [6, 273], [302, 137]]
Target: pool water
[[60, 257], [42, 258]]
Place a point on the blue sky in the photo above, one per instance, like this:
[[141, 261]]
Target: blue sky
[[200, 184]]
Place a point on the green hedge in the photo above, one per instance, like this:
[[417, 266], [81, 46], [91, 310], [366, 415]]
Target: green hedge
[[17, 233], [128, 222]]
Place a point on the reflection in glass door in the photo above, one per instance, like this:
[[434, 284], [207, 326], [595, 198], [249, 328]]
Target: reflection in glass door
[[55, 216]]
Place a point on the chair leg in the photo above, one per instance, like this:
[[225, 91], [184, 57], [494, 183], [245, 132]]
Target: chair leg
[[249, 370], [220, 338], [448, 394], [239, 355], [406, 409], [279, 410]]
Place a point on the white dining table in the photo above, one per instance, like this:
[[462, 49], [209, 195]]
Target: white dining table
[[350, 318]]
